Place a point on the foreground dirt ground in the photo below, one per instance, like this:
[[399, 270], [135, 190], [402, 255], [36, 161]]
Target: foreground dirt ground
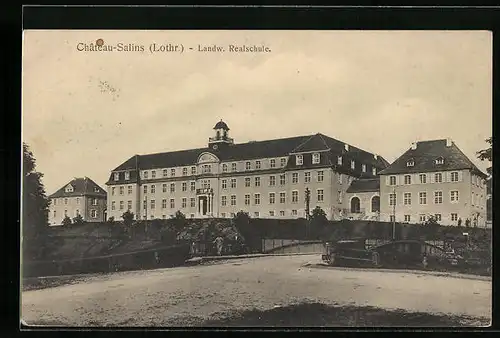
[[192, 295]]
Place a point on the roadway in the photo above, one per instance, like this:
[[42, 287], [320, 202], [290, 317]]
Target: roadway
[[190, 295]]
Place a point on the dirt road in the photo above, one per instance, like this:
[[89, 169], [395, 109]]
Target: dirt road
[[191, 295]]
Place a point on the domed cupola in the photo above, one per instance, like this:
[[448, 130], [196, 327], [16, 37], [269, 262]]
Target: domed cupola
[[221, 137]]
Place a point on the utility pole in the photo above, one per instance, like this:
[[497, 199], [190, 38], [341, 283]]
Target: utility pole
[[308, 200], [394, 214], [308, 217], [146, 207]]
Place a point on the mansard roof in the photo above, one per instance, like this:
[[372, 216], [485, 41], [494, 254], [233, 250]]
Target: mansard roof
[[81, 187], [257, 150], [364, 185], [425, 155]]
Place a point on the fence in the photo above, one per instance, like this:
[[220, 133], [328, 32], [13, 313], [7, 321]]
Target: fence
[[146, 259]]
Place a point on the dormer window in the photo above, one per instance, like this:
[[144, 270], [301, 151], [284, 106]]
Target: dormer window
[[96, 189], [346, 147], [339, 160], [374, 171], [127, 175], [353, 165], [69, 188], [117, 176], [316, 158], [439, 160], [299, 159], [363, 168], [410, 163]]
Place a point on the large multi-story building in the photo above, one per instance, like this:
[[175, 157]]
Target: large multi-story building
[[433, 178], [81, 196], [267, 179]]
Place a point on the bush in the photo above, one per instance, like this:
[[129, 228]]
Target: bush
[[66, 221], [78, 219], [128, 218]]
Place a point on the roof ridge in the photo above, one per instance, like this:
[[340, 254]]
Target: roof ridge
[[300, 145], [327, 146], [468, 159]]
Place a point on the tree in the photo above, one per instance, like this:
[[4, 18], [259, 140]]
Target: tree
[[78, 219], [179, 221], [66, 221], [128, 218], [318, 221], [35, 206], [486, 154]]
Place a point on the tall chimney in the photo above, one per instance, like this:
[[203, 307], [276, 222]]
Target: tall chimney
[[449, 142], [414, 145], [346, 147]]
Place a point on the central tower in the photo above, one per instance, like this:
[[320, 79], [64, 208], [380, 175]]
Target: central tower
[[221, 138]]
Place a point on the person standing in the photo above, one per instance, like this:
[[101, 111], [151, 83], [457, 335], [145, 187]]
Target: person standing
[[219, 244]]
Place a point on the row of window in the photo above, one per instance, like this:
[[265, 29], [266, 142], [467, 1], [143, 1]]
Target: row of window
[[437, 161], [438, 198], [256, 214], [320, 176], [92, 201], [271, 198], [224, 200], [422, 196], [316, 159], [93, 213], [184, 204], [422, 178], [424, 218]]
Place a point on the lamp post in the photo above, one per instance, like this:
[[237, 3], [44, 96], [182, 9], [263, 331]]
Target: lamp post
[[211, 194]]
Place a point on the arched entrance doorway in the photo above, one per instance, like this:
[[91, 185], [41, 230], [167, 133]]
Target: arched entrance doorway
[[355, 205], [376, 204]]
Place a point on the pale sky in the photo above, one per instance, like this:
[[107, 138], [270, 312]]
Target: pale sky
[[377, 90]]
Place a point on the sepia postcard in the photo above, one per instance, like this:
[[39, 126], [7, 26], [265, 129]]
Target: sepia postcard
[[256, 178]]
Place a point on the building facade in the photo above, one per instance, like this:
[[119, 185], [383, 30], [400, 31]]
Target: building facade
[[433, 178], [266, 179], [363, 199], [81, 196]]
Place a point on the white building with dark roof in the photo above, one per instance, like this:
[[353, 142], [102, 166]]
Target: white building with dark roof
[[433, 178], [80, 196], [267, 179]]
